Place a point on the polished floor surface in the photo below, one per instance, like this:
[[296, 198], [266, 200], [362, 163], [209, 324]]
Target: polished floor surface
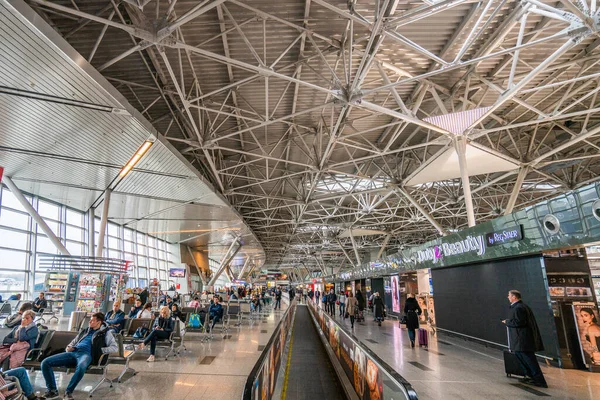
[[215, 370], [452, 368]]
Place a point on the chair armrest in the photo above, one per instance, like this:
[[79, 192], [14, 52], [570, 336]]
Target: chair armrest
[[34, 349], [101, 360]]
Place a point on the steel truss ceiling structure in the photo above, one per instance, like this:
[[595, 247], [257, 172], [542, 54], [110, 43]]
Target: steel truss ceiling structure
[[311, 116]]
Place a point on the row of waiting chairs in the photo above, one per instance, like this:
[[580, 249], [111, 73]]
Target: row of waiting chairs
[[51, 342], [9, 307]]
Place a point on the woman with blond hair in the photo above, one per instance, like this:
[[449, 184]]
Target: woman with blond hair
[[161, 329]]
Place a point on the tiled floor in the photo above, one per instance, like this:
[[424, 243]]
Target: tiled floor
[[194, 375], [455, 369]]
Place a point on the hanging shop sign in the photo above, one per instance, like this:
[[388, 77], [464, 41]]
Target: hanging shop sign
[[504, 236], [474, 244], [1, 173]]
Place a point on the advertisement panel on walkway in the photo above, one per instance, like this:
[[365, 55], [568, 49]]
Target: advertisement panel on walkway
[[361, 368], [395, 294]]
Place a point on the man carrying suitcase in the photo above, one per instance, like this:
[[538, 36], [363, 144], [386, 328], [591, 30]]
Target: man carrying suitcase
[[524, 337]]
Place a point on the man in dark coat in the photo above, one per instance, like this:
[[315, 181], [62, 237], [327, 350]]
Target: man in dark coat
[[525, 339]]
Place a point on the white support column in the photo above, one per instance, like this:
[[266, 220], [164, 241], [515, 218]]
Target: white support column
[[460, 144], [422, 210], [225, 261], [34, 215], [103, 223], [91, 231], [244, 268], [516, 189]]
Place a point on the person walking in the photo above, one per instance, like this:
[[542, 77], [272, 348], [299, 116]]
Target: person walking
[[525, 339], [317, 295], [278, 299], [351, 308], [412, 312], [331, 299], [378, 308], [342, 300]]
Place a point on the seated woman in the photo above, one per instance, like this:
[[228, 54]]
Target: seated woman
[[146, 312], [15, 319], [161, 329], [22, 338], [215, 311], [194, 303], [176, 313]]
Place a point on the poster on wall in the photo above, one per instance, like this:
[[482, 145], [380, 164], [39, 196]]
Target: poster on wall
[[586, 319], [353, 284], [427, 310], [395, 294]]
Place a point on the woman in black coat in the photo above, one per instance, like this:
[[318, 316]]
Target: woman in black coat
[[379, 308], [412, 312]]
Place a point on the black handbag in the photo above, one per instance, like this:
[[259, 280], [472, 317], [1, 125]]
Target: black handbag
[[403, 320]]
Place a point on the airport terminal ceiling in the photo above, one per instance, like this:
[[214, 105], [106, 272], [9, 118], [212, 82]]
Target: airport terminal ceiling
[[341, 130]]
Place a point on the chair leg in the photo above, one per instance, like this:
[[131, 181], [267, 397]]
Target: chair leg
[[104, 379]]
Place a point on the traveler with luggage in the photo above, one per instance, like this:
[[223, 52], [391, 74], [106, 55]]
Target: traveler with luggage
[[411, 314], [524, 339], [18, 342], [378, 308]]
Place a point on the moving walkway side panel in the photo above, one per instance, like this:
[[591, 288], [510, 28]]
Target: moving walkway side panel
[[370, 377]]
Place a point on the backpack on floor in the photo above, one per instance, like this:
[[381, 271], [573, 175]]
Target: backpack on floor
[[194, 321]]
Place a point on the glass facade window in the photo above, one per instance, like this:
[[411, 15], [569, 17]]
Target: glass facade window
[[23, 243]]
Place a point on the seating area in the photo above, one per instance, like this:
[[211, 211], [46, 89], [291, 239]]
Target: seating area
[[239, 324]]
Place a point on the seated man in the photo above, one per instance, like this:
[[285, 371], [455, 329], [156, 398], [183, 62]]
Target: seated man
[[87, 348], [40, 303], [15, 297], [115, 318], [15, 319], [21, 375], [135, 310], [215, 311]]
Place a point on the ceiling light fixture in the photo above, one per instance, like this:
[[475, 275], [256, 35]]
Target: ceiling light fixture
[[136, 157]]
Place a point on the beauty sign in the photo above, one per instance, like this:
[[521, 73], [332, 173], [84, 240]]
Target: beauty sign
[[1, 173], [470, 244]]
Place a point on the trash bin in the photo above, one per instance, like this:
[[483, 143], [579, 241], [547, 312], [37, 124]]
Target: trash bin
[[75, 320]]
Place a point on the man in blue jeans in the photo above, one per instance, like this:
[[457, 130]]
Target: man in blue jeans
[[87, 348], [21, 374]]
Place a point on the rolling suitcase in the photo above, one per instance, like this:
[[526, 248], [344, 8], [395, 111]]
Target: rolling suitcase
[[423, 337], [512, 365]]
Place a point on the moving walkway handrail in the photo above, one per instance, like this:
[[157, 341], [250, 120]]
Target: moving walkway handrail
[[254, 374], [403, 385]]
